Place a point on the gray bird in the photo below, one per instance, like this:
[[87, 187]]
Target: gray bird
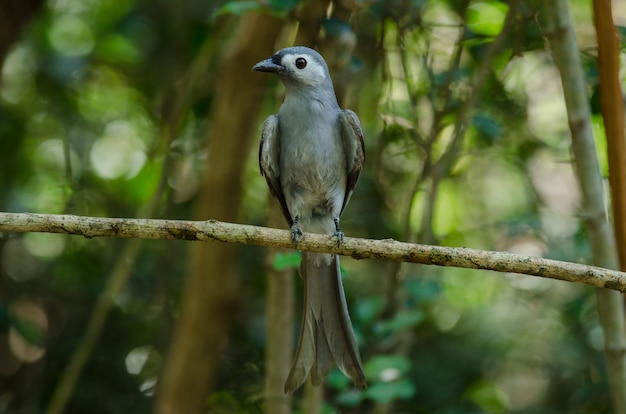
[[311, 156]]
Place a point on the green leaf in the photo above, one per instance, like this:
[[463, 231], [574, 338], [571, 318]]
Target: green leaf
[[488, 126], [467, 289], [30, 331], [486, 17], [401, 321], [487, 396], [116, 48], [237, 8], [283, 261], [222, 400], [379, 366], [335, 27], [282, 7], [325, 409], [337, 380], [385, 392], [421, 291], [351, 397], [368, 309]]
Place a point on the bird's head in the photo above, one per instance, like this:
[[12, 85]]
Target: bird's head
[[297, 66]]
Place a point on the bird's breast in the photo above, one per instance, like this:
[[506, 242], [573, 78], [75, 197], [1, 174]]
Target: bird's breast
[[313, 168]]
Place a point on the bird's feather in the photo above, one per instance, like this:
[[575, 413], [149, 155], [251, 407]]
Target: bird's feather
[[326, 335], [354, 147], [269, 153]]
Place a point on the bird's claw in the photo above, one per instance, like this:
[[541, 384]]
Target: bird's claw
[[339, 235], [296, 233]]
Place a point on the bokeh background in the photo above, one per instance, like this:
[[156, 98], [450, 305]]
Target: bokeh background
[[149, 109]]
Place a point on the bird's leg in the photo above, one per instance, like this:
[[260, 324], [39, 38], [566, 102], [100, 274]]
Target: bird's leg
[[338, 233], [296, 231]]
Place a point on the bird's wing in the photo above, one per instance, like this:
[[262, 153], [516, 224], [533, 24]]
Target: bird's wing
[[354, 147], [269, 153]]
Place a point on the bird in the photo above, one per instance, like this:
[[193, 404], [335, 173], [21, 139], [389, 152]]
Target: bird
[[311, 155]]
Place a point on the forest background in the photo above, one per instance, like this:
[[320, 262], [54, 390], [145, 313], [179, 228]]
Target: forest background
[[150, 109]]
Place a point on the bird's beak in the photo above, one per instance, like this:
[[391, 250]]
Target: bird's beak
[[269, 65]]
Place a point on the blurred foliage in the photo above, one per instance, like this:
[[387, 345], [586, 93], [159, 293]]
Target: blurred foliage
[[104, 110]]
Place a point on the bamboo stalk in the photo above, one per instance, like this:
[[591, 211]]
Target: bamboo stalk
[[599, 232]]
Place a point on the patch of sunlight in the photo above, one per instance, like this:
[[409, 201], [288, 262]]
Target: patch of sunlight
[[50, 159], [448, 208], [145, 362], [499, 187], [595, 338], [71, 35], [390, 374], [45, 245], [44, 194], [148, 386], [555, 182], [599, 135], [71, 6], [467, 288], [184, 179], [136, 359], [18, 75], [18, 262], [445, 316], [488, 396], [27, 331], [523, 385], [106, 96], [445, 34], [119, 152]]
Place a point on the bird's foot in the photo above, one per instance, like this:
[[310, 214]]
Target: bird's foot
[[296, 232], [338, 233]]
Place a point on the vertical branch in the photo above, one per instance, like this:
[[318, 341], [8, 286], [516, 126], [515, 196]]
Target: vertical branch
[[313, 397], [211, 290], [280, 323], [601, 239], [612, 107]]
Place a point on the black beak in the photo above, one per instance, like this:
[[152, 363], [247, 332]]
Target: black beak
[[271, 65]]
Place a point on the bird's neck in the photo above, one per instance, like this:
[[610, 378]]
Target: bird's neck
[[317, 99]]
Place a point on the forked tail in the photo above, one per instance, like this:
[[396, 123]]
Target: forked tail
[[326, 335]]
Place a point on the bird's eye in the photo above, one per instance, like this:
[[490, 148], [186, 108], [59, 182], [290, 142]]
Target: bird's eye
[[301, 63]]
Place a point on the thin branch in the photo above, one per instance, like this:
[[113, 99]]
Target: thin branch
[[599, 232], [213, 230]]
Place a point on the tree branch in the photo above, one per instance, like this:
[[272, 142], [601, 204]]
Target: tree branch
[[213, 230]]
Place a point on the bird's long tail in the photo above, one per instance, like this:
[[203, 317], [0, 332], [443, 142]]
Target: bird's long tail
[[326, 335]]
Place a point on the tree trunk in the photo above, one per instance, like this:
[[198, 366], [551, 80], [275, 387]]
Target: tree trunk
[[211, 293]]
